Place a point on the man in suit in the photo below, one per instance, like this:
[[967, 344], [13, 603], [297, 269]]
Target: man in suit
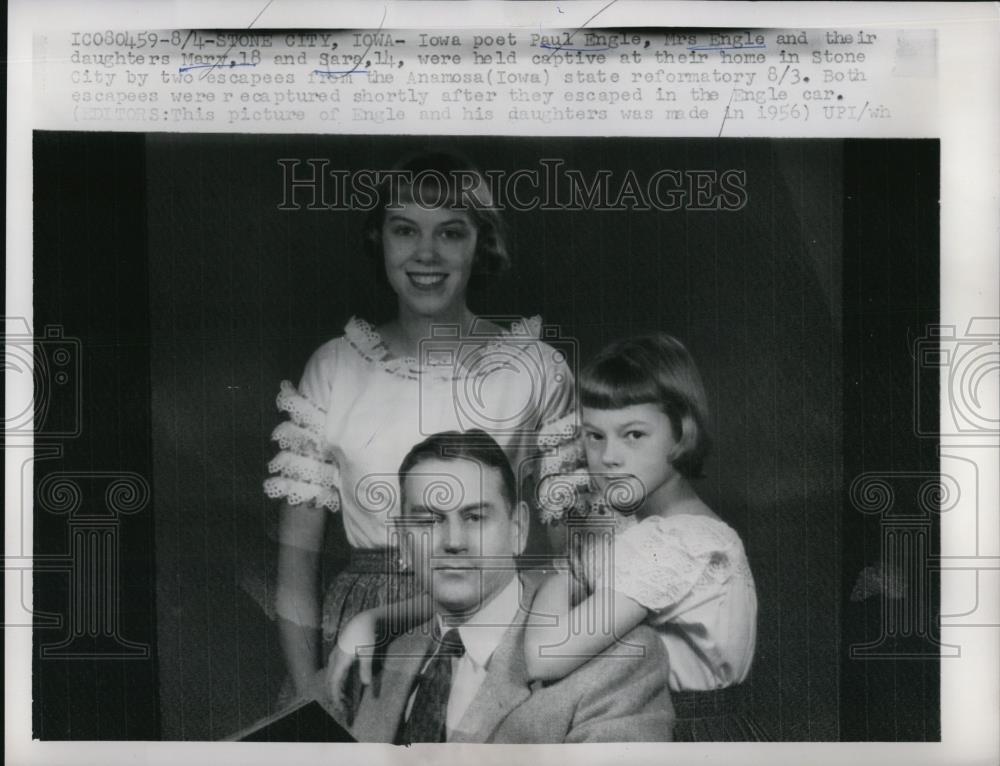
[[460, 677]]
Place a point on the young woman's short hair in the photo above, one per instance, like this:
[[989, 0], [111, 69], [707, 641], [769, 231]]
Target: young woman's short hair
[[442, 179], [654, 369]]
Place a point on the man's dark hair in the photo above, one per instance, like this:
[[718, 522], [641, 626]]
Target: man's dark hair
[[463, 445]]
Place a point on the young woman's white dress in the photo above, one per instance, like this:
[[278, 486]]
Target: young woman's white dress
[[357, 411]]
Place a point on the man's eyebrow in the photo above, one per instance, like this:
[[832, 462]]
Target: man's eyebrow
[[486, 505]]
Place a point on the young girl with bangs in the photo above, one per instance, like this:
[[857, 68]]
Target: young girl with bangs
[[672, 562]]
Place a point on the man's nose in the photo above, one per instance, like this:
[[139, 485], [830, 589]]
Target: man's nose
[[453, 535]]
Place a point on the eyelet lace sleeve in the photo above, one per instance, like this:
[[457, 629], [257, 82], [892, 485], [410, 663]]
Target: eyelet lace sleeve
[[560, 445], [660, 561], [558, 432], [305, 467], [563, 479]]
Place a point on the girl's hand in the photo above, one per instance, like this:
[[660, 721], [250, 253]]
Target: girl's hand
[[355, 643]]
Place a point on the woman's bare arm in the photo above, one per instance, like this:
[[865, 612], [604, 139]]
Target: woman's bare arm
[[300, 539]]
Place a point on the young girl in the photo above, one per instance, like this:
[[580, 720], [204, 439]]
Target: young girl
[[673, 563]]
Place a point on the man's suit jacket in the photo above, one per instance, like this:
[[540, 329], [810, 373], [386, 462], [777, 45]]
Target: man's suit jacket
[[609, 699]]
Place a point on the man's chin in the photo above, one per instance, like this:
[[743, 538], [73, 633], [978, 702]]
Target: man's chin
[[464, 591], [457, 590], [455, 605]]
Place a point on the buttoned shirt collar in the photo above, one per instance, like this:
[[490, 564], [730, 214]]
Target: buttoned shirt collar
[[481, 635], [482, 632]]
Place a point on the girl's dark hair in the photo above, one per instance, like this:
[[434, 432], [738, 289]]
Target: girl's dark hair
[[442, 179], [654, 369]]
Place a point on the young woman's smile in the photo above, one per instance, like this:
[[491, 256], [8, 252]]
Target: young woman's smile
[[429, 253]]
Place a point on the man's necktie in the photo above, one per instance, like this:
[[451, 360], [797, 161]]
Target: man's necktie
[[430, 703]]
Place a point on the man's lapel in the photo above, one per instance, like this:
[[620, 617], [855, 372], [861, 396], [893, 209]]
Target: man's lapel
[[382, 707], [506, 683]]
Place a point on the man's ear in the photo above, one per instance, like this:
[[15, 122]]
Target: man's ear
[[521, 521]]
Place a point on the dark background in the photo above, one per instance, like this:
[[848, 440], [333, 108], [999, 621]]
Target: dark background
[[193, 295]]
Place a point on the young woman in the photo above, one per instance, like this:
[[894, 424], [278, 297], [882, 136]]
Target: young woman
[[367, 396]]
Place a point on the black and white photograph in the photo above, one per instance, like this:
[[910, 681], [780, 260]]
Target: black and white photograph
[[283, 357], [410, 437]]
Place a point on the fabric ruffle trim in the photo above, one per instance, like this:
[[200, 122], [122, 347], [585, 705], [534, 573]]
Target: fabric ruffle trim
[[306, 468], [302, 411], [568, 459], [564, 482], [570, 495], [293, 437], [366, 340], [560, 493], [298, 492], [556, 433], [561, 446]]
